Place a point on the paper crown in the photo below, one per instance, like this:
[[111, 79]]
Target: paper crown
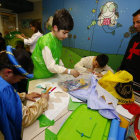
[[13, 60]]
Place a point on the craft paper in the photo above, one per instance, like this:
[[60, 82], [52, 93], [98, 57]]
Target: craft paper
[[108, 97], [73, 105], [122, 111], [49, 135], [58, 99], [44, 121], [75, 99]]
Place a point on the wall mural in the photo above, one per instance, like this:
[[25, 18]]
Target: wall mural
[[107, 17], [100, 26]]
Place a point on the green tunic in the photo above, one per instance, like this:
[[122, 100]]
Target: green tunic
[[55, 45]]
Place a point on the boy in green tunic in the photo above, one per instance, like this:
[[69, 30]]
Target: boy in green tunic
[[47, 53]]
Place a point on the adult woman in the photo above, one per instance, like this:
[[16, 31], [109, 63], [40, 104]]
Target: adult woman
[[36, 27]]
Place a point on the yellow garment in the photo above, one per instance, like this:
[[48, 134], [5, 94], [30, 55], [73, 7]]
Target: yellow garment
[[110, 80], [124, 123], [22, 96], [32, 112]]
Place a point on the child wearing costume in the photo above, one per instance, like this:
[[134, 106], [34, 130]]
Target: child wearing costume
[[16, 65], [47, 53], [94, 64]]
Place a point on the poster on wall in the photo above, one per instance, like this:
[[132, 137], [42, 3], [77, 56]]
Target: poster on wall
[[25, 23]]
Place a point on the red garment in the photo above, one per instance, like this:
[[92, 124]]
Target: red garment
[[134, 50], [133, 108], [106, 21]]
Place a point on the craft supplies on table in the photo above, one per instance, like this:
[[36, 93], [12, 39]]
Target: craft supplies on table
[[69, 83]]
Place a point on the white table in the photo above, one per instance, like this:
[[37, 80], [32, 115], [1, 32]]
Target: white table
[[34, 132]]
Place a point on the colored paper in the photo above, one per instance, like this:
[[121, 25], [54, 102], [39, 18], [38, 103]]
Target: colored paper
[[44, 121], [49, 135], [73, 105]]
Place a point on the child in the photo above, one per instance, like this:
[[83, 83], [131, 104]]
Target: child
[[93, 64], [36, 27], [16, 65], [47, 53]]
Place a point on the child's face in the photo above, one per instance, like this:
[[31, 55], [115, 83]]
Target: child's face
[[33, 28], [96, 64], [15, 78], [62, 34]]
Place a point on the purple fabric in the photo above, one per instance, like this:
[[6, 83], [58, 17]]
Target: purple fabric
[[93, 102]]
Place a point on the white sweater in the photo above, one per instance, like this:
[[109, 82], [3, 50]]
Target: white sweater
[[32, 41], [87, 63]]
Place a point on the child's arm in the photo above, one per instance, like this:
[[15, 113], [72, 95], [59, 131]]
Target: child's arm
[[106, 69], [55, 68], [32, 112], [61, 63], [29, 96], [80, 65]]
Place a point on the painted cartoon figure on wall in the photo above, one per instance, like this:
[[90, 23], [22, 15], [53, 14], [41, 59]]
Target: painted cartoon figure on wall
[[49, 23], [108, 14], [107, 17]]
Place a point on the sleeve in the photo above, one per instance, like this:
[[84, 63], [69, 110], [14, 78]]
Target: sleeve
[[61, 63], [80, 65], [32, 112], [22, 96], [32, 40], [106, 69], [50, 62]]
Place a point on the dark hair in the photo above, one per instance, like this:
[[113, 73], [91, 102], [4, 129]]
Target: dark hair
[[102, 60], [37, 25], [23, 59], [136, 13], [0, 34], [20, 45], [63, 20]]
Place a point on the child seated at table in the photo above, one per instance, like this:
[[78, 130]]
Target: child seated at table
[[94, 64], [16, 65]]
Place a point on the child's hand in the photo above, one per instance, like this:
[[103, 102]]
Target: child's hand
[[45, 95], [99, 75], [32, 95], [90, 70], [75, 73]]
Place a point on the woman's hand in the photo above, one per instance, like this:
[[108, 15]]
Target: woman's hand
[[23, 35], [32, 95], [19, 36]]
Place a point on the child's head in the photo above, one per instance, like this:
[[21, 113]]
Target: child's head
[[20, 45], [8, 71], [0, 34], [101, 61], [62, 24], [35, 26]]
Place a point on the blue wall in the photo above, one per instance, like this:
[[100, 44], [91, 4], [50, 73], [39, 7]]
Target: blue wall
[[96, 38]]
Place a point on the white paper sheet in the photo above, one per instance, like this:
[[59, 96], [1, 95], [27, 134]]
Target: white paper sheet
[[123, 112], [56, 104], [108, 97], [75, 99]]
